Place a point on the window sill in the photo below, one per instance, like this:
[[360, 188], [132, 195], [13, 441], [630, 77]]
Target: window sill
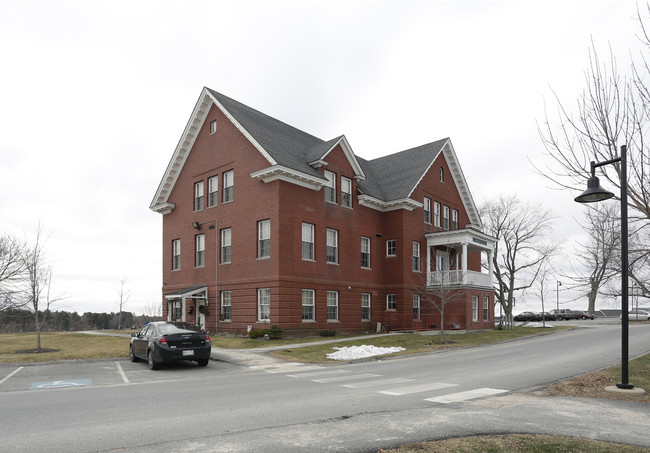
[[335, 264], [261, 258], [308, 321], [333, 321], [226, 320]]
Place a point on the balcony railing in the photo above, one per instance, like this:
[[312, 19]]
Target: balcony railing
[[453, 278]]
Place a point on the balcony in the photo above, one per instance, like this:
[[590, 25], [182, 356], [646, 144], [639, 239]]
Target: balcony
[[458, 278]]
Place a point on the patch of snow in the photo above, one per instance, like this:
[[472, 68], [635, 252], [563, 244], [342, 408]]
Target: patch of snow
[[537, 324], [360, 352]]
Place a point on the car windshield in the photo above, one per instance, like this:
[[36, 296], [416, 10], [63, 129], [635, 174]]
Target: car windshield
[[179, 327]]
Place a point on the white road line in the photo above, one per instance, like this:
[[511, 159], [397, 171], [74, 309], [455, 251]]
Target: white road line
[[377, 383], [317, 374], [464, 396], [417, 388], [349, 377], [9, 375], [122, 373], [285, 369]]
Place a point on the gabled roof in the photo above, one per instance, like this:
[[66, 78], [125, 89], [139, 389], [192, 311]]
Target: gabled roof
[[385, 183]]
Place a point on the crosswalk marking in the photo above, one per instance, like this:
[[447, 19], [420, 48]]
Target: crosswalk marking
[[417, 388], [467, 395], [377, 383], [349, 377], [286, 368], [318, 374]]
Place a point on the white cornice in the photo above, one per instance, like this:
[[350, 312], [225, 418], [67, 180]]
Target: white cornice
[[385, 206], [278, 172]]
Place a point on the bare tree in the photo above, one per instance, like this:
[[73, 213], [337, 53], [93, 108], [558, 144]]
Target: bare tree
[[152, 309], [38, 281], [523, 246], [541, 288], [12, 268], [124, 295]]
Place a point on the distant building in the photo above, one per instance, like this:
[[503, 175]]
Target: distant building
[[266, 224]]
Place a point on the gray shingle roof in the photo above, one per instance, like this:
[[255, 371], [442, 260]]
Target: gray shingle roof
[[387, 178]]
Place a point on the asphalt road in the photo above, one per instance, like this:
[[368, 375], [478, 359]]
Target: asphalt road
[[109, 405]]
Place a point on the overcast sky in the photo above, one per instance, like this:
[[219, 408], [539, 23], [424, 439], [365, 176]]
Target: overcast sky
[[95, 95]]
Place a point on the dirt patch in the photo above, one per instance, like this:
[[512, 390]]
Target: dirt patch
[[36, 351]]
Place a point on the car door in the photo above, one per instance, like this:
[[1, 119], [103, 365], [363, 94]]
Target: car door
[[140, 342]]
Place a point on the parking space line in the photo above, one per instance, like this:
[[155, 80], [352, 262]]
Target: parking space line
[[10, 374], [122, 373]]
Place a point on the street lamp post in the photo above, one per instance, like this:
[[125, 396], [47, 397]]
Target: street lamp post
[[557, 295], [596, 193]]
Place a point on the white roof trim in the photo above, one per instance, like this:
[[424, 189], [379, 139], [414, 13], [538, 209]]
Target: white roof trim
[[347, 150], [278, 172], [385, 206]]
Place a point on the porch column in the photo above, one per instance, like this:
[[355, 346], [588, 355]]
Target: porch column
[[490, 253], [428, 264], [464, 265]]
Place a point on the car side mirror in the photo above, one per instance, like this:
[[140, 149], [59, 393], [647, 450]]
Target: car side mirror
[[134, 334]]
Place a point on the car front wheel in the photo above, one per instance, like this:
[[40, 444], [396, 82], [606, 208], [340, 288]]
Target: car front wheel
[[153, 365], [132, 355], [203, 362]]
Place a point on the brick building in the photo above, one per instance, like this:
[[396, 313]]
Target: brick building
[[266, 224]]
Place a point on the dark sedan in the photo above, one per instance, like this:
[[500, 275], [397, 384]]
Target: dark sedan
[[527, 316], [167, 342]]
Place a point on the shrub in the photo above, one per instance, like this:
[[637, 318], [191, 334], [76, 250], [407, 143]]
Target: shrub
[[257, 333], [328, 333], [275, 332]]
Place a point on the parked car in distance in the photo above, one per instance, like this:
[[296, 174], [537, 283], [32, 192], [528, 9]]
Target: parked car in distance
[[587, 315], [637, 314], [167, 342], [566, 314], [547, 316], [527, 316]]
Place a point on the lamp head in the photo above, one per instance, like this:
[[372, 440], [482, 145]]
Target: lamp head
[[594, 192]]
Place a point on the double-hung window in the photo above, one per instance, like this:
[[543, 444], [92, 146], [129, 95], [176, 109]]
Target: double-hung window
[[176, 254], [436, 214], [346, 192], [330, 187], [446, 217], [307, 241], [332, 305], [213, 127], [391, 247], [228, 185], [308, 313], [365, 252], [198, 196], [416, 306], [454, 219], [391, 302], [427, 210], [365, 306], [226, 306], [474, 308], [226, 244], [332, 246], [200, 250], [264, 304], [416, 256], [264, 238], [486, 308], [213, 191], [442, 174]]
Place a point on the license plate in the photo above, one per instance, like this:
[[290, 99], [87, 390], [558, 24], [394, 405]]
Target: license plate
[[188, 352]]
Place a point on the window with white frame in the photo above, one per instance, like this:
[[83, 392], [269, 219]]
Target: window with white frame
[[213, 127], [391, 247], [446, 217], [474, 308], [226, 306], [365, 307], [442, 174], [391, 302], [176, 254], [198, 196], [226, 244], [486, 308], [332, 246], [346, 192], [416, 256], [436, 214], [264, 239], [454, 219], [307, 241], [213, 191], [200, 250], [332, 305], [177, 310], [330, 187], [416, 306], [427, 210], [228, 185], [264, 304], [365, 252], [308, 312]]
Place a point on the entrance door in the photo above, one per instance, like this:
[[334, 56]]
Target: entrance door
[[442, 261]]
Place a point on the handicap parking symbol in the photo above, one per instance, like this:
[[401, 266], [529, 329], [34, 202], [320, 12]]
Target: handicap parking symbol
[[61, 384]]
